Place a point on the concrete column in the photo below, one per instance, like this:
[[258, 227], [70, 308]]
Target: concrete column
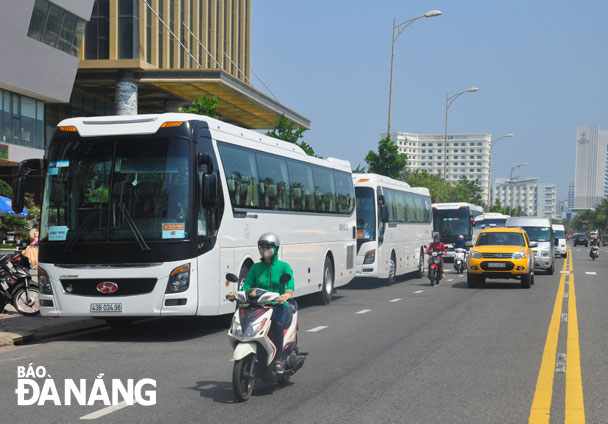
[[125, 94]]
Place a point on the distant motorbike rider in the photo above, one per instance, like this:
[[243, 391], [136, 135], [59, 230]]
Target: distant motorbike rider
[[265, 275], [437, 246], [595, 242], [460, 244]]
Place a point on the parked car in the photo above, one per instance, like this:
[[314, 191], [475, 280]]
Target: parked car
[[580, 240], [501, 253]]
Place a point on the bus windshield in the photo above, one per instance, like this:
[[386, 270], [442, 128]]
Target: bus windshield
[[112, 189], [366, 213], [452, 223], [559, 234]]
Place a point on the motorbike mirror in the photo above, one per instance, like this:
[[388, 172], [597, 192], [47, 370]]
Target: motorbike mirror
[[468, 243], [285, 278], [232, 278]]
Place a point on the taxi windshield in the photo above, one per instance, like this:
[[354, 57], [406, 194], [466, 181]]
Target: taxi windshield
[[500, 239]]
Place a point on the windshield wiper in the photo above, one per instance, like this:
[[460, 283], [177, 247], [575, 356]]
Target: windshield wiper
[[74, 240], [138, 237]]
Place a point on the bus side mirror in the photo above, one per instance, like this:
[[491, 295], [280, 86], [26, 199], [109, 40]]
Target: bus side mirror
[[383, 213], [468, 244], [556, 242], [25, 167], [209, 195], [205, 159]]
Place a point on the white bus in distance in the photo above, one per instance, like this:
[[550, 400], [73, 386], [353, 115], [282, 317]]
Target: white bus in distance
[[393, 226], [453, 219], [144, 215], [492, 220]]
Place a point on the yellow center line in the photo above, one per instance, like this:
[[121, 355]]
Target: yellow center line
[[575, 407], [540, 412]]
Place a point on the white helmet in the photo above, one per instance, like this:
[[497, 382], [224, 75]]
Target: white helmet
[[269, 239]]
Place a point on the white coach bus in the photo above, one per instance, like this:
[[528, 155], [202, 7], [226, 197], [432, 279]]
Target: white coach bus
[[394, 223], [144, 215]]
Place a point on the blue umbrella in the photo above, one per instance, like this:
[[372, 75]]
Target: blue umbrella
[[6, 208]]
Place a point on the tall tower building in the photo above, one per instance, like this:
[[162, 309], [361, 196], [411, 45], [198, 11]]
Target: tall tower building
[[590, 166], [570, 197]]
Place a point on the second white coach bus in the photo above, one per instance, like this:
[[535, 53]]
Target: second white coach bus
[[144, 215], [394, 223]]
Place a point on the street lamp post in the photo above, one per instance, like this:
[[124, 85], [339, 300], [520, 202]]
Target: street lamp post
[[492, 143], [513, 183], [399, 28], [448, 102]]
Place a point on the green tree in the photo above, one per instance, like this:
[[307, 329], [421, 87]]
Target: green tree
[[466, 191], [203, 106], [5, 189], [497, 207], [360, 169], [438, 187], [388, 161], [286, 130]]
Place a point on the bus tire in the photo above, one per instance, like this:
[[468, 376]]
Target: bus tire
[[421, 264], [392, 270], [327, 288]]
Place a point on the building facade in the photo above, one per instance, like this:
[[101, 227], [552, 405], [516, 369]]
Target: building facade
[[467, 155], [153, 56], [546, 205], [590, 171], [527, 195], [570, 197]]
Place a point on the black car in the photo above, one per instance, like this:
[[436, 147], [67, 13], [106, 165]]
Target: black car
[[581, 239]]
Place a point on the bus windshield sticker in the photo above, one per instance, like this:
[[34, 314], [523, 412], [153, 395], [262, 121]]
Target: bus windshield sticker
[[58, 233], [63, 163], [53, 171], [171, 231]]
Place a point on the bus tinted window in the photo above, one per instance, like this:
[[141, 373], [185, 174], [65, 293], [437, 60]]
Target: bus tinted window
[[325, 189], [419, 208], [273, 181], [345, 192], [241, 175], [301, 186]]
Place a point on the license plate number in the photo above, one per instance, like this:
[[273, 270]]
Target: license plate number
[[496, 265], [106, 307]]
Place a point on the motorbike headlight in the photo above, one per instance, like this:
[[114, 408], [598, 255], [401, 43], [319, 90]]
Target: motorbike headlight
[[235, 328], [179, 280], [520, 255], [252, 330], [475, 254], [545, 252], [370, 257], [44, 282]]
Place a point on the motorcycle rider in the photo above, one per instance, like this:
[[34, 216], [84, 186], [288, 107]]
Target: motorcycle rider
[[460, 242], [437, 246], [594, 242], [265, 275]]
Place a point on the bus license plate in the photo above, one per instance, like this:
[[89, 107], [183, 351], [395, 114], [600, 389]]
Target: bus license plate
[[496, 264], [106, 307]]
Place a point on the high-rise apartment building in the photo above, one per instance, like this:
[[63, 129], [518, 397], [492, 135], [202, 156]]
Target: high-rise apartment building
[[570, 197], [546, 201], [590, 172], [532, 198], [467, 155]]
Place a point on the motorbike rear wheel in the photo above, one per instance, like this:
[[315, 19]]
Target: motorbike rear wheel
[[23, 305], [243, 378]]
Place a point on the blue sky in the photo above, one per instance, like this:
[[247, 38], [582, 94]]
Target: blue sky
[[540, 66]]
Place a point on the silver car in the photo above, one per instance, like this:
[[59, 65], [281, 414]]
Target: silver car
[[540, 231]]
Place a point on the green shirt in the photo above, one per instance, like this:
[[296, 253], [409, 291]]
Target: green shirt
[[266, 276]]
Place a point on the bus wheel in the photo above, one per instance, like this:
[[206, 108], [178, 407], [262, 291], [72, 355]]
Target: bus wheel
[[392, 270], [327, 288], [421, 264]]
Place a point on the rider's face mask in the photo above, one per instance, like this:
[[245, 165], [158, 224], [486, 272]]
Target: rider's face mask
[[267, 252]]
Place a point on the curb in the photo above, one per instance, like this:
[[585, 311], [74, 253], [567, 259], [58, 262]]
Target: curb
[[16, 336]]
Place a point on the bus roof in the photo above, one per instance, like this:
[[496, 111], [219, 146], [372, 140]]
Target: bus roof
[[495, 215], [457, 205], [372, 180], [99, 126]]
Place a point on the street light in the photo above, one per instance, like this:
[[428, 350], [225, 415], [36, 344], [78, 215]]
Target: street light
[[513, 168], [492, 143], [448, 102], [400, 29]]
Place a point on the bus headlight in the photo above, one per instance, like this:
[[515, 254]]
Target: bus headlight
[[475, 254], [370, 257], [179, 280], [44, 282], [520, 255]]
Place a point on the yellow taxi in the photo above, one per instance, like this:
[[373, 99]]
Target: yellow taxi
[[501, 253]]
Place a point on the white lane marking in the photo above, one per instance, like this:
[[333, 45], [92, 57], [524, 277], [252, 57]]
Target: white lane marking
[[105, 411], [461, 275], [314, 330], [419, 291], [564, 317], [395, 300], [364, 311], [451, 279], [591, 273], [560, 363]]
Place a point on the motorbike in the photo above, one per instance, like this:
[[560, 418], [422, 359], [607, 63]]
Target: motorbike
[[594, 252], [16, 285], [435, 267], [460, 260], [252, 340]]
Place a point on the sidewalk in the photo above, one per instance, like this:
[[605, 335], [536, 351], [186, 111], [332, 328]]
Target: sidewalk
[[16, 328]]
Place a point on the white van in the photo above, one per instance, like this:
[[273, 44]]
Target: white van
[[559, 232], [539, 230]]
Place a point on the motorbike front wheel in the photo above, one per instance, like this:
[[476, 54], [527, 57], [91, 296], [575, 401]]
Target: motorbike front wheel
[[243, 378], [432, 272], [26, 306]]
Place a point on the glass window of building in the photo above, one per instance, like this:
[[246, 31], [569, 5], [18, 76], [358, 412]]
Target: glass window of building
[[66, 35], [97, 42], [53, 25], [128, 33], [41, 8]]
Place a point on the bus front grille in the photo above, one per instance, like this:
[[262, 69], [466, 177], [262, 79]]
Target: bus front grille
[[104, 287]]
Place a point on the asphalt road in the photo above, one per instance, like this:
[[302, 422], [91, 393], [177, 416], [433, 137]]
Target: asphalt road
[[408, 353]]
